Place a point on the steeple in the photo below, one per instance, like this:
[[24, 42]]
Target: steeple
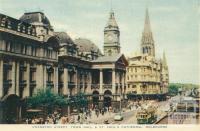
[[164, 60], [147, 26], [111, 36], [111, 21], [147, 42], [147, 36]]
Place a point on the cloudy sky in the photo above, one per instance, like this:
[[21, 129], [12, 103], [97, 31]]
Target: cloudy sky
[[174, 24]]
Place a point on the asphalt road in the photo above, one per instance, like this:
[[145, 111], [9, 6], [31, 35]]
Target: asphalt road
[[128, 118]]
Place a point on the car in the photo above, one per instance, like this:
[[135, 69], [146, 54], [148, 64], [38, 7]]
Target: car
[[74, 112], [106, 122], [118, 117]]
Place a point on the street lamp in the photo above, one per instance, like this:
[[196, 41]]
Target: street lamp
[[68, 108]]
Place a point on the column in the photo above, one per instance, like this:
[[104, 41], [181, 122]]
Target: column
[[83, 82], [26, 91], [89, 83], [56, 80], [123, 82], [1, 78], [44, 76], [65, 82], [39, 77], [12, 89], [101, 81], [17, 78], [75, 91], [113, 81]]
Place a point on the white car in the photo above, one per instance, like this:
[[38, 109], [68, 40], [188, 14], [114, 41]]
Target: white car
[[118, 117]]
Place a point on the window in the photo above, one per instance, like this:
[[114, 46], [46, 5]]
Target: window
[[7, 46], [19, 27], [109, 53], [3, 21], [25, 49], [12, 47], [23, 29], [35, 53], [29, 30]]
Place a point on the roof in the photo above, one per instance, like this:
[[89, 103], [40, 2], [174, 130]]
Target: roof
[[63, 37], [85, 45], [111, 59], [111, 21], [35, 17]]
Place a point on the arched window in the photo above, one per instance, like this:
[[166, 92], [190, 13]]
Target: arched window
[[23, 29], [147, 50], [5, 22], [150, 50], [29, 30], [109, 53], [19, 27]]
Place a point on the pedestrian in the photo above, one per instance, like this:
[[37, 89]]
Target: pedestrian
[[102, 112], [27, 121], [78, 118]]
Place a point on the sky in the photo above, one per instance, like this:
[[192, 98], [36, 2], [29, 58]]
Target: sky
[[174, 24]]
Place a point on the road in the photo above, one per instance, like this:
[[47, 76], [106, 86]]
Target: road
[[130, 115], [129, 118]]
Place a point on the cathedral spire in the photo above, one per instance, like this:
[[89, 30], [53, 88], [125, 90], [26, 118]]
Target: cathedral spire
[[147, 42], [147, 26], [164, 60], [147, 36]]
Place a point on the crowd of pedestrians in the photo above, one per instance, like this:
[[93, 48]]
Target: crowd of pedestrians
[[84, 115]]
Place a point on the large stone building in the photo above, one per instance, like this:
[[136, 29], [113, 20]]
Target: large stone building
[[33, 56], [147, 77]]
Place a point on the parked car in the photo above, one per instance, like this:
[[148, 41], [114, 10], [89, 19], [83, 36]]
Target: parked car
[[118, 117], [74, 112], [106, 122]]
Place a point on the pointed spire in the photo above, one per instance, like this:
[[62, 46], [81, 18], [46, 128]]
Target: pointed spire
[[147, 27], [164, 60], [147, 36], [111, 21]]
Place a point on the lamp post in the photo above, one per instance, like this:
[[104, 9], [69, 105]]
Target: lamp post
[[120, 102], [68, 108]]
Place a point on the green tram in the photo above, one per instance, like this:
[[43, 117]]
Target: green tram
[[146, 116]]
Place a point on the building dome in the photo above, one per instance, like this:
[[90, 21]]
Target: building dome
[[85, 45], [63, 38], [35, 18]]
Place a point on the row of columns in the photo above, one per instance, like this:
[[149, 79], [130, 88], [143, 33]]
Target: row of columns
[[40, 78], [113, 81], [76, 80]]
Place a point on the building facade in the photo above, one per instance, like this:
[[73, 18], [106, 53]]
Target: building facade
[[147, 77], [33, 56]]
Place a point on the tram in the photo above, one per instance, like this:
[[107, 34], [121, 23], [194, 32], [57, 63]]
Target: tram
[[146, 116]]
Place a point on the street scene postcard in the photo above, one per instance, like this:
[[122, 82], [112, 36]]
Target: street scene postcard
[[127, 63]]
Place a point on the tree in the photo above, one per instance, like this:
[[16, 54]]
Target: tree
[[173, 89], [78, 101], [45, 98]]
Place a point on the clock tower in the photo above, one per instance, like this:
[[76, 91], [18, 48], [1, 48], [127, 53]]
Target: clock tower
[[111, 37]]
